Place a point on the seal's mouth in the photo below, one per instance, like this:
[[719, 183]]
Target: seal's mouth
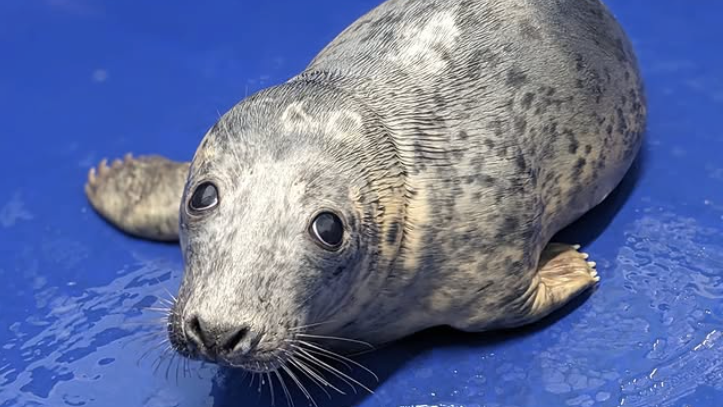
[[266, 362], [255, 362]]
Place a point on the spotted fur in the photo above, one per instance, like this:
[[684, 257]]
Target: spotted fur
[[455, 138]]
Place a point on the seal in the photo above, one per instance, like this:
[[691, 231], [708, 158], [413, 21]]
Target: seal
[[412, 176]]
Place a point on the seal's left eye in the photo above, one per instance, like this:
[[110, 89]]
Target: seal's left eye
[[328, 229], [204, 197]]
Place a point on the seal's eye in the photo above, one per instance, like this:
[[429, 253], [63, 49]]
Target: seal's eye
[[328, 229], [204, 197]]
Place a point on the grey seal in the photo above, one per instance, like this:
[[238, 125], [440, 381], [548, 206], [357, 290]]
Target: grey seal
[[411, 176]]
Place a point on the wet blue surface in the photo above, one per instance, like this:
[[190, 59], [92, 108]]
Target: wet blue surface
[[81, 80]]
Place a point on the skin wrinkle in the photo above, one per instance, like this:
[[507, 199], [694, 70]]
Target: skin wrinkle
[[455, 138]]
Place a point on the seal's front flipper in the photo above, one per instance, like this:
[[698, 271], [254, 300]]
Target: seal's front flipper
[[141, 196], [563, 274]]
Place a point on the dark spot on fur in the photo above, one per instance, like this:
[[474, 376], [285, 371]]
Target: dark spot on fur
[[520, 124], [516, 78], [588, 149], [622, 122], [574, 144], [387, 20], [579, 62], [462, 135], [510, 225], [527, 100], [579, 166], [521, 163]]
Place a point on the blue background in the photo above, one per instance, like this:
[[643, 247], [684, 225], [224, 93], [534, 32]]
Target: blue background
[[81, 80]]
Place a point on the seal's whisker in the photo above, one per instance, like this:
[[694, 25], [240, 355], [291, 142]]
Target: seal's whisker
[[262, 382], [244, 375], [315, 377], [312, 348], [271, 389], [338, 357], [159, 361], [150, 350], [289, 400], [164, 310], [179, 363], [330, 354], [170, 364], [165, 301], [147, 337], [301, 386], [304, 327], [334, 338], [163, 355], [159, 310], [173, 301], [325, 366], [144, 338]]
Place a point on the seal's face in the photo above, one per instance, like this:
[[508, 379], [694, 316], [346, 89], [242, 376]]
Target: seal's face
[[273, 242]]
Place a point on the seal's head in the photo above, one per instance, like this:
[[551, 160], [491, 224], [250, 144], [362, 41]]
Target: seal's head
[[284, 221]]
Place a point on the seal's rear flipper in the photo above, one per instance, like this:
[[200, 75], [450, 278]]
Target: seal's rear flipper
[[563, 274], [141, 196]]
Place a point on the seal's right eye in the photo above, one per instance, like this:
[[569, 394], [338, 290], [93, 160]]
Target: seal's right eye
[[204, 198], [328, 230]]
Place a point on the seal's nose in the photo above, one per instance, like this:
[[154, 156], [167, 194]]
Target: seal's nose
[[217, 339]]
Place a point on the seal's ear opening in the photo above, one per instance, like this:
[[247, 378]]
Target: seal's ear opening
[[327, 229]]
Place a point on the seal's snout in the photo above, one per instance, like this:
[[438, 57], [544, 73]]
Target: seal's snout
[[220, 341]]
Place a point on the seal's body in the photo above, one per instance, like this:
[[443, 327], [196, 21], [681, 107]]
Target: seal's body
[[412, 176]]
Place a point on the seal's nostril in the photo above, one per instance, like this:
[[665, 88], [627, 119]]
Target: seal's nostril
[[196, 334], [236, 340]]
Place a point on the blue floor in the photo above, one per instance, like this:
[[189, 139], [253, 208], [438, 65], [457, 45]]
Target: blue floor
[[85, 79]]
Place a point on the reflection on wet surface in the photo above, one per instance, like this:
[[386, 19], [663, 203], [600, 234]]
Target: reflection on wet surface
[[650, 334]]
